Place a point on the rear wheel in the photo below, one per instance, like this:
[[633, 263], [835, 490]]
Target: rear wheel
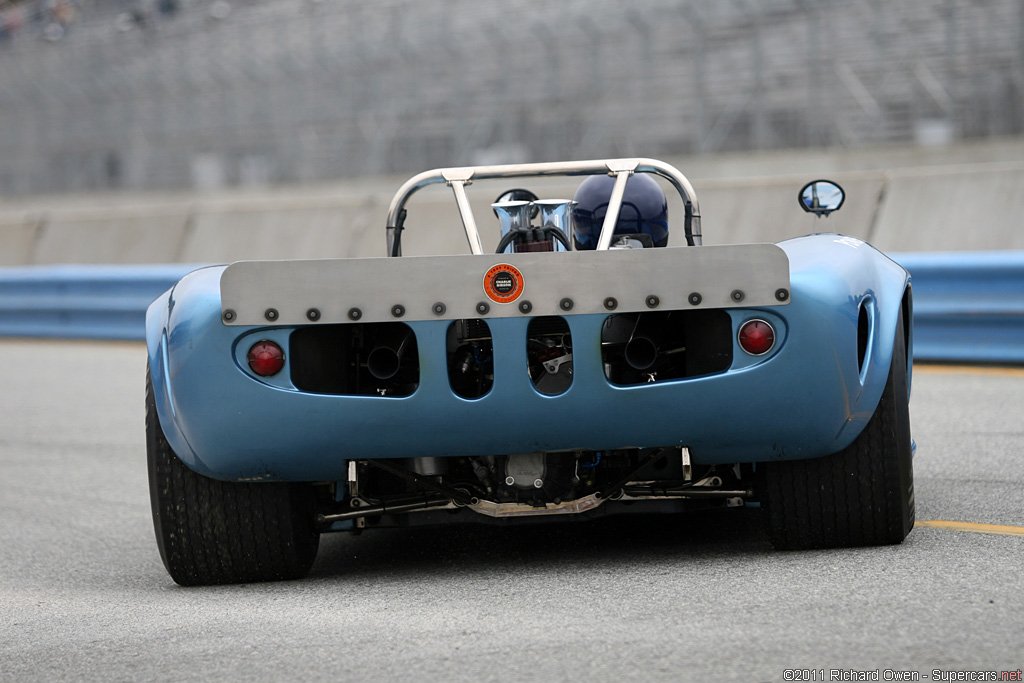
[[862, 495], [211, 531]]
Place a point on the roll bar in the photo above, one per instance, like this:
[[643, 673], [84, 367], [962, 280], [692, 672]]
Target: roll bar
[[458, 177]]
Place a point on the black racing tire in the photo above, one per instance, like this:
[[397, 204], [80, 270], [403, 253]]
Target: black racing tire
[[214, 532], [860, 496]]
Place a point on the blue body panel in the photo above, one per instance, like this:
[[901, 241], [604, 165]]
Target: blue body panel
[[807, 397]]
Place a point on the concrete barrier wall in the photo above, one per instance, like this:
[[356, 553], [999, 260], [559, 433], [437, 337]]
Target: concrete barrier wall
[[976, 208], [766, 210], [18, 234], [110, 237], [930, 208]]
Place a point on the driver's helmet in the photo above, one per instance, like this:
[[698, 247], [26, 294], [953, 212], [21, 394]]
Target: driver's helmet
[[644, 212]]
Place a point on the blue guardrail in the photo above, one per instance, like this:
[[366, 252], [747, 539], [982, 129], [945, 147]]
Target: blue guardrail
[[83, 302], [968, 306]]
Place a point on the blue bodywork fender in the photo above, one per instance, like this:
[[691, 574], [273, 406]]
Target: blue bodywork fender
[[811, 395]]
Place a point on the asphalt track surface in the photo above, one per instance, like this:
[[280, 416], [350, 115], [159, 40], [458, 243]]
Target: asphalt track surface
[[83, 595]]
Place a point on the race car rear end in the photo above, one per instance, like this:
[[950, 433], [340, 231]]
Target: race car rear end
[[552, 382]]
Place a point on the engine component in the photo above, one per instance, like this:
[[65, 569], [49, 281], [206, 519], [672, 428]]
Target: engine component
[[549, 351], [518, 234], [429, 466], [556, 220], [537, 478], [470, 358], [518, 194], [525, 471]]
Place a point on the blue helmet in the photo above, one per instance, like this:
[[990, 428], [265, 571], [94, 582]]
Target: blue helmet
[[644, 210]]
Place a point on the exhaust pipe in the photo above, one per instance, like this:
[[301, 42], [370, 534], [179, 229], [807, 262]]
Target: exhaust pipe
[[644, 345], [641, 352], [384, 361]]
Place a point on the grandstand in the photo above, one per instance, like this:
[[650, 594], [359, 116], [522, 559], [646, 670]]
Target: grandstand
[[212, 93]]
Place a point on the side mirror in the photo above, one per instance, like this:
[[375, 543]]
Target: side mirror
[[821, 197]]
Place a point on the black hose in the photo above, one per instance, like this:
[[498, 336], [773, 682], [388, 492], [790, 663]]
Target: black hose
[[688, 223], [506, 240], [547, 232], [398, 227]]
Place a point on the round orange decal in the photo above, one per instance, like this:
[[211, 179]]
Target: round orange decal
[[503, 283]]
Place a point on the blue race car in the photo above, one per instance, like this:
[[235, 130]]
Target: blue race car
[[585, 368]]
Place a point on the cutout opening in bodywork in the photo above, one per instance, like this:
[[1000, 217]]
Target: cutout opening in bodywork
[[359, 359], [470, 358], [639, 348], [549, 352], [863, 336]]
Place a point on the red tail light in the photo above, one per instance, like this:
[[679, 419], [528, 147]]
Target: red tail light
[[756, 337], [266, 358]]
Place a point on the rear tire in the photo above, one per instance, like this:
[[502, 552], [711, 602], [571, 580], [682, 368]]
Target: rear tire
[[211, 531], [862, 495]]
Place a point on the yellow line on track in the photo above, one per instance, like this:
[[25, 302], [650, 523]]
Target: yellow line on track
[[926, 369], [971, 526]]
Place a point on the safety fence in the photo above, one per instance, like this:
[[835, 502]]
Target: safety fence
[[968, 306]]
